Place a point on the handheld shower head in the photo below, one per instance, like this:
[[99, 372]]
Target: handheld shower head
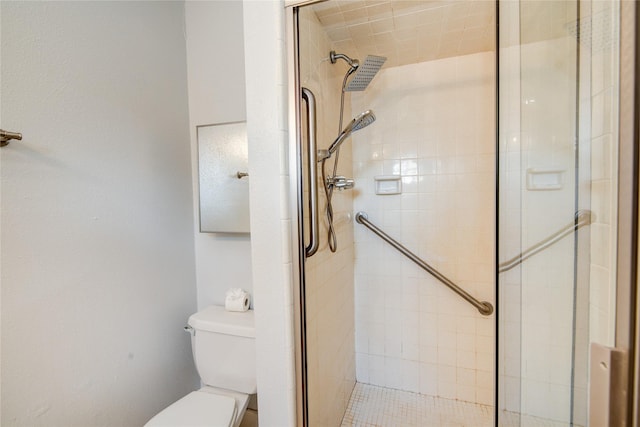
[[362, 120]]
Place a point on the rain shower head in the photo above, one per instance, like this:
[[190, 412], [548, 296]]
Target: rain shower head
[[362, 120], [365, 73]]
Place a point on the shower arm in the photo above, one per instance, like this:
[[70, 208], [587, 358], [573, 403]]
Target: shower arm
[[353, 63]]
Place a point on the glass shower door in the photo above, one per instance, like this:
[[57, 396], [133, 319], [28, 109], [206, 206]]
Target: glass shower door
[[557, 172], [386, 342]]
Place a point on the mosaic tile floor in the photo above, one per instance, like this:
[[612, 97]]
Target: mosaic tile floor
[[371, 406], [383, 407], [510, 419]]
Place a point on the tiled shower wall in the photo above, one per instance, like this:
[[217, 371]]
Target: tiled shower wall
[[434, 129], [329, 276]]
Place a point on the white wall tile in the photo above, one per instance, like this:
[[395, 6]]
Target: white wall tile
[[437, 167]]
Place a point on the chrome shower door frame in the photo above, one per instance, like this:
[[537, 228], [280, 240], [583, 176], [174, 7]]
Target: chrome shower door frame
[[626, 410], [296, 205]]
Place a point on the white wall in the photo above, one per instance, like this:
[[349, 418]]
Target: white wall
[[215, 64], [271, 225], [98, 273]]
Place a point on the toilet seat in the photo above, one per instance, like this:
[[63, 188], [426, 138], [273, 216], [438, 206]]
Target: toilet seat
[[242, 400], [198, 409]]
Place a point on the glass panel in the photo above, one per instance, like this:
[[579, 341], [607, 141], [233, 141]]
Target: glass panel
[[556, 158], [330, 328], [424, 173], [374, 319]]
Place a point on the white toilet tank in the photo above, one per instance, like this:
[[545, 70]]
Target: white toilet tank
[[224, 348]]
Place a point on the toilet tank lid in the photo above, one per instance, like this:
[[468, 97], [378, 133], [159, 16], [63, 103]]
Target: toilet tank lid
[[216, 319]]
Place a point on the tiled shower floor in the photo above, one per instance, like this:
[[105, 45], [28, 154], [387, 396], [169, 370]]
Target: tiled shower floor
[[384, 407]]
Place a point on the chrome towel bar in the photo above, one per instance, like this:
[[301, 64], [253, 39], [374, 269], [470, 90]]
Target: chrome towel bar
[[582, 217], [485, 308], [6, 136]]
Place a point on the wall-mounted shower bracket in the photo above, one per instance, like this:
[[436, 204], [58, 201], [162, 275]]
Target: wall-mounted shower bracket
[[340, 182]]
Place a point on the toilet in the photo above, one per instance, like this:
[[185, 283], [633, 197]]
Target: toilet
[[223, 345]]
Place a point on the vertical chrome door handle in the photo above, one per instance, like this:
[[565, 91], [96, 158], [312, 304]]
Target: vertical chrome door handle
[[310, 99]]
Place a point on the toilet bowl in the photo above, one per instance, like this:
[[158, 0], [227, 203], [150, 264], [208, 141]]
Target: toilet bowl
[[223, 345]]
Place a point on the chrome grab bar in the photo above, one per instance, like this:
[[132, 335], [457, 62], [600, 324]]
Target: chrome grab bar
[[312, 161], [485, 308], [582, 218]]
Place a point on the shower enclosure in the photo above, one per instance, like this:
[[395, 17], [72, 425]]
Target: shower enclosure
[[462, 269]]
